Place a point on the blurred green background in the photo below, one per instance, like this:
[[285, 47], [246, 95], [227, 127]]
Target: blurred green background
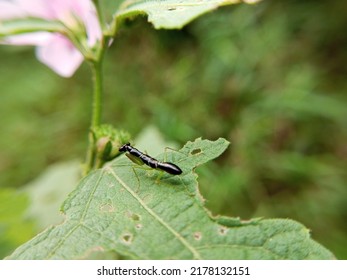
[[270, 78]]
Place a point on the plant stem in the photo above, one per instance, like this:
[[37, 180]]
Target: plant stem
[[96, 65], [96, 113], [97, 93]]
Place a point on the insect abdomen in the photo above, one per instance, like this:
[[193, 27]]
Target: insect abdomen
[[169, 168]]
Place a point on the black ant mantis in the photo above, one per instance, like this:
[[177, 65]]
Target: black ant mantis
[[140, 158]]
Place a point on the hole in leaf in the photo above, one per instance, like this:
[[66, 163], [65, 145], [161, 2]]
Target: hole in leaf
[[222, 230], [127, 238], [197, 235], [138, 226], [195, 152], [135, 217]]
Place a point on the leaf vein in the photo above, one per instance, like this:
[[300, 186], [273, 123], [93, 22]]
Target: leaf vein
[[154, 215]]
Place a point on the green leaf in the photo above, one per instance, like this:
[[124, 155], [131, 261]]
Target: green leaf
[[20, 26], [47, 192], [15, 228], [169, 14], [131, 211]]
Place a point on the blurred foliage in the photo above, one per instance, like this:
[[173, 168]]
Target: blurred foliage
[[15, 227], [271, 78]]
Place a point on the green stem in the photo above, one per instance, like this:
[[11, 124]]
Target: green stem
[[97, 94], [96, 113], [96, 64]]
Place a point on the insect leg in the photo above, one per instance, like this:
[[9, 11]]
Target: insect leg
[[142, 167], [137, 178]]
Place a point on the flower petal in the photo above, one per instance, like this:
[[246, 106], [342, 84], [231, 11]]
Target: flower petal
[[35, 8], [55, 50], [67, 11], [60, 55], [34, 39], [9, 10]]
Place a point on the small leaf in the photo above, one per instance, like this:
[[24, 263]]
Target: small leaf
[[19, 26], [129, 210], [169, 13]]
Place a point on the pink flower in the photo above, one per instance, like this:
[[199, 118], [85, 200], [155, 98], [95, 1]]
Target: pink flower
[[54, 49]]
